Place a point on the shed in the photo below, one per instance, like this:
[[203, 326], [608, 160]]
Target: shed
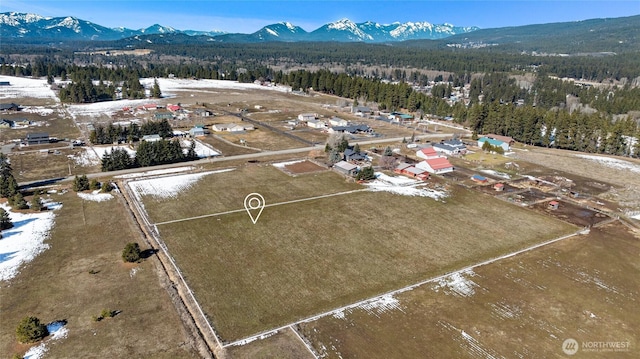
[[499, 187], [346, 168], [553, 205], [479, 179]]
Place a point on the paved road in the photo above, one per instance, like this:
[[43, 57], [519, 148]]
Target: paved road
[[249, 156]]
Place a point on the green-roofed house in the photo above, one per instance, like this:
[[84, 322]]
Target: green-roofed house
[[493, 142]]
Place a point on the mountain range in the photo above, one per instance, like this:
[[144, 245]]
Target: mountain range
[[30, 26]]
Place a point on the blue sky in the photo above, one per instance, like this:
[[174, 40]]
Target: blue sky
[[249, 16]]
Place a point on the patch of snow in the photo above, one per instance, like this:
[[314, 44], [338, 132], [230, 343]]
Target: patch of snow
[[403, 186], [381, 305], [497, 174], [168, 187], [458, 284], [36, 352], [101, 150], [254, 338], [23, 87], [172, 85], [284, 164], [40, 110], [95, 196], [101, 108], [203, 150], [22, 243], [157, 172], [133, 271], [613, 163]]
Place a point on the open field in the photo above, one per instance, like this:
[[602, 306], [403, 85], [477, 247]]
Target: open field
[[81, 274], [308, 257], [33, 165], [283, 345], [585, 288]]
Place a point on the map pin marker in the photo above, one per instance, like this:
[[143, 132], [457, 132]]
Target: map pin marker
[[254, 204]]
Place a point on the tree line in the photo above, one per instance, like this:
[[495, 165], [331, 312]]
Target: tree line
[[148, 154], [104, 135]]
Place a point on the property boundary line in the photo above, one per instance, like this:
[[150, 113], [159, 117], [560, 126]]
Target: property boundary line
[[266, 205]]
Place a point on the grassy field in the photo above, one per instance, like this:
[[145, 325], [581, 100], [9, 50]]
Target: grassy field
[[585, 288], [81, 274], [31, 166], [304, 258], [284, 345]]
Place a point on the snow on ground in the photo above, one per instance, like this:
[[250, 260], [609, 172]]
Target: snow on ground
[[103, 108], [92, 156], [100, 151], [375, 306], [168, 187], [40, 110], [284, 164], [203, 150], [95, 196], [613, 163], [22, 243], [458, 283], [56, 331], [403, 186], [157, 172], [26, 87], [497, 174], [169, 85]]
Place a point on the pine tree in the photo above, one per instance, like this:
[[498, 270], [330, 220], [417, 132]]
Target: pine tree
[[155, 92], [8, 184], [5, 220], [36, 203], [18, 202]]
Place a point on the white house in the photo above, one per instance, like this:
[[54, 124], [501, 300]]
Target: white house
[[316, 124], [304, 117], [427, 153], [436, 165], [337, 121]]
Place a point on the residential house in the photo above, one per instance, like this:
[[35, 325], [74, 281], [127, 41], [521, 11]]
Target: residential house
[[9, 107], [174, 108], [163, 116], [196, 132], [352, 129], [445, 149], [37, 138], [360, 110], [337, 121], [400, 117], [346, 168], [507, 139], [427, 153], [437, 165], [351, 155], [149, 106], [493, 142], [6, 123], [202, 112], [304, 117], [316, 124]]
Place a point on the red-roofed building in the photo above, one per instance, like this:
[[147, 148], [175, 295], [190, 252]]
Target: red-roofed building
[[499, 187], [174, 108], [436, 165], [554, 205], [427, 153], [149, 106]]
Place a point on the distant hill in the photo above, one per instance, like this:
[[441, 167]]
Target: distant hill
[[588, 36]]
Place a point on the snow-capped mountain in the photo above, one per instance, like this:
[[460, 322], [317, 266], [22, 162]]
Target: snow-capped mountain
[[20, 25], [282, 31], [341, 30]]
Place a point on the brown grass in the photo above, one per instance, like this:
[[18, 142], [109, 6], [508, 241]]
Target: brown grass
[[308, 257], [283, 345], [58, 285], [584, 288]]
